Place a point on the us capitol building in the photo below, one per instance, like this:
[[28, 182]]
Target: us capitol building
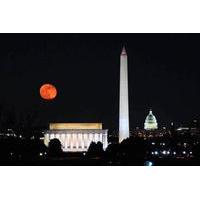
[[150, 129], [150, 122]]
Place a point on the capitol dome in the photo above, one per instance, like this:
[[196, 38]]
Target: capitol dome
[[150, 122]]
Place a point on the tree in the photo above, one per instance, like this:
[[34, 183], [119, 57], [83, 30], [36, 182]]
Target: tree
[[55, 147], [95, 150]]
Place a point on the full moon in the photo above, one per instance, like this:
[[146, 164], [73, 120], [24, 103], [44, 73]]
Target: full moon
[[48, 91]]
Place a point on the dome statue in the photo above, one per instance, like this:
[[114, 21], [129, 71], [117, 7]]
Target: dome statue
[[150, 122]]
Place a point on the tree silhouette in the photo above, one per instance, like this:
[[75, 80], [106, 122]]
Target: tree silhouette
[[95, 150], [55, 147]]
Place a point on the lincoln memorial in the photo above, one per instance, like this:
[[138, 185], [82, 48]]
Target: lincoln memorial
[[76, 137]]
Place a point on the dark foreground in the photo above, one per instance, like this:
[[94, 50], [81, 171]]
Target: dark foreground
[[77, 160], [171, 150]]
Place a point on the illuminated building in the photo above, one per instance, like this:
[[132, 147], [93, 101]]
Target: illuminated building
[[123, 101], [150, 122], [76, 137]]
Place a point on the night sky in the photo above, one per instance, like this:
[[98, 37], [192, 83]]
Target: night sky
[[163, 75]]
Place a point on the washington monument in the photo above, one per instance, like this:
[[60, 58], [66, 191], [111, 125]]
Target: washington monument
[[123, 99]]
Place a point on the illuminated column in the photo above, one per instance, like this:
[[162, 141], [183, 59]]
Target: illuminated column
[[100, 137], [71, 141], [90, 138], [74, 140], [85, 140], [123, 101], [93, 137], [77, 141], [62, 140], [68, 140], [51, 136], [105, 141], [82, 141], [96, 137]]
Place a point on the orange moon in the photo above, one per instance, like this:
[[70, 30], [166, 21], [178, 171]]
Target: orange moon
[[48, 91]]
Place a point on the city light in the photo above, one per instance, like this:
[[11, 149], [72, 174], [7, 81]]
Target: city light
[[148, 163], [164, 152]]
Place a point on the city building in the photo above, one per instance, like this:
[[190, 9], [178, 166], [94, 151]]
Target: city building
[[76, 137], [155, 133], [150, 122]]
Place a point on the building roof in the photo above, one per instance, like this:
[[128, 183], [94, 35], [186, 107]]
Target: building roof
[[74, 126]]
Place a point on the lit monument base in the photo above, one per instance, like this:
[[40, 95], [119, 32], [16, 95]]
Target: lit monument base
[[76, 140], [124, 129]]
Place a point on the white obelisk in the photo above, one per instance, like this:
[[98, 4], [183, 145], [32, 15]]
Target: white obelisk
[[123, 101]]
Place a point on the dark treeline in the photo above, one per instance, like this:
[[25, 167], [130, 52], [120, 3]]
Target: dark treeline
[[132, 151]]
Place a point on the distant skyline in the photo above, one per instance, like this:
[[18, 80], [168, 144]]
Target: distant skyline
[[163, 75]]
